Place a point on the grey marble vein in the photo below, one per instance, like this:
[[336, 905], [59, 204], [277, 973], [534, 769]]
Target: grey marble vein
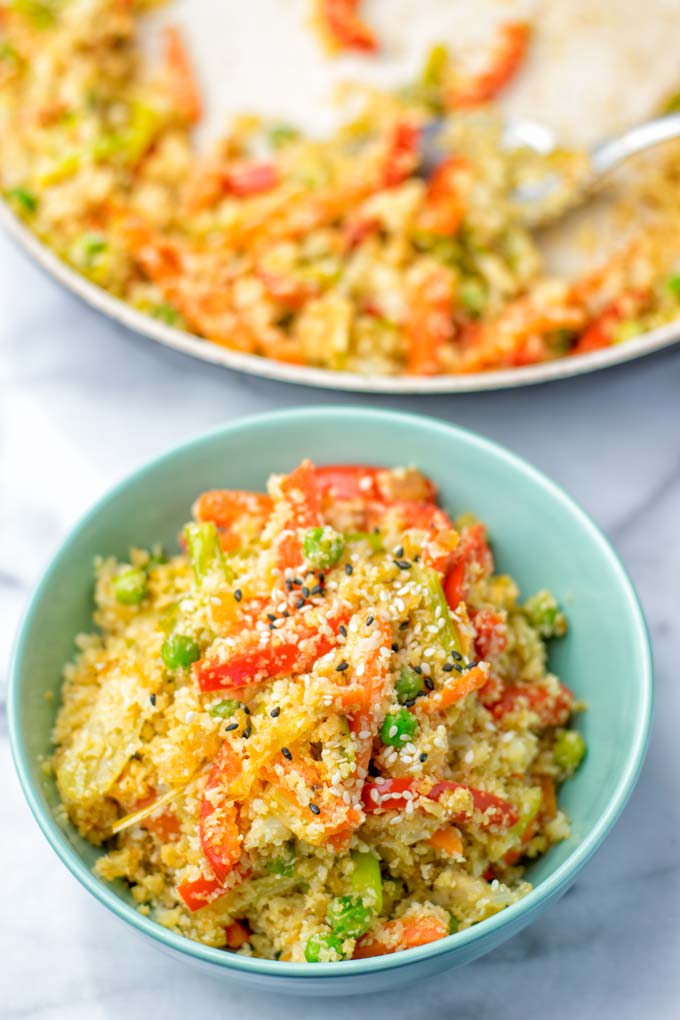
[[82, 402]]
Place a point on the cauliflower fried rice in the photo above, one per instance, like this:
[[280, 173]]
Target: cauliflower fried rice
[[325, 729], [347, 253]]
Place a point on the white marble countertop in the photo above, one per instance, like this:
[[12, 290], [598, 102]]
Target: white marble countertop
[[81, 403]]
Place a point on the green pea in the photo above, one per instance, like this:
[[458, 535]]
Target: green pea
[[569, 750], [398, 728], [473, 297], [454, 923], [179, 651], [348, 916], [324, 947], [24, 199], [166, 313], [409, 685], [224, 709], [322, 547], [673, 282], [88, 248], [130, 586]]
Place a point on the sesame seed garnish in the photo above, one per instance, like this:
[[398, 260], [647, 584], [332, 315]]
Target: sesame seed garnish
[[289, 584], [230, 727], [246, 733], [322, 578], [297, 581], [395, 646], [471, 665], [286, 754], [369, 620], [399, 552], [315, 809], [429, 683], [305, 591], [423, 756], [300, 603], [317, 589], [271, 616], [343, 630], [403, 625], [238, 594], [410, 703], [342, 667], [244, 707], [456, 655], [447, 667], [272, 626], [349, 569], [417, 669], [152, 699], [275, 712], [402, 564]]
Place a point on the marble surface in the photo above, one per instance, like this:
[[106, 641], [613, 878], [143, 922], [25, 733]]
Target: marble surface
[[81, 403]]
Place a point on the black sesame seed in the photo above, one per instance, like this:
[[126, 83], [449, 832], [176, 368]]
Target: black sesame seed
[[376, 531], [456, 655], [275, 712], [429, 683], [272, 626], [423, 756], [271, 616], [230, 727], [300, 603], [349, 569], [417, 669], [458, 669], [298, 581], [447, 667], [399, 552], [403, 625], [315, 809], [289, 584], [245, 708], [369, 620], [395, 646], [152, 699], [402, 564], [416, 558], [246, 733], [410, 702], [317, 589], [286, 613], [471, 665], [322, 578], [238, 594], [343, 630], [305, 591], [342, 667], [286, 754]]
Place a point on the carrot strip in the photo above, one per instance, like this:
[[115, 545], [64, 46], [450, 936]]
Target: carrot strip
[[402, 933]]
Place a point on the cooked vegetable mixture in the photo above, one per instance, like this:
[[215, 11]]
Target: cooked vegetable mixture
[[358, 253], [325, 730]]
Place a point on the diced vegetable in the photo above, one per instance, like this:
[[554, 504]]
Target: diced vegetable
[[236, 934], [284, 864], [348, 916], [224, 709], [218, 828], [24, 199], [203, 544], [367, 879], [130, 587], [179, 651], [402, 933], [409, 685], [345, 29], [544, 615], [504, 62], [448, 634], [569, 750], [551, 707], [324, 947], [281, 134], [398, 728], [372, 538], [322, 547], [454, 923]]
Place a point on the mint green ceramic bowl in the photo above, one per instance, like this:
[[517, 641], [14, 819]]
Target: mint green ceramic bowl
[[539, 536]]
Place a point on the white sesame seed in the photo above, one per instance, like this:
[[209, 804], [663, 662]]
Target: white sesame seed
[[468, 757], [189, 717], [364, 734]]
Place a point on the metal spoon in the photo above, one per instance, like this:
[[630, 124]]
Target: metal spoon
[[533, 199]]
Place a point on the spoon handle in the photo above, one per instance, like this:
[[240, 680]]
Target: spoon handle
[[613, 151]]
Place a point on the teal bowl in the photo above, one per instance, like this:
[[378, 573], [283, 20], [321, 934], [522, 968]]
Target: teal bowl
[[539, 536]]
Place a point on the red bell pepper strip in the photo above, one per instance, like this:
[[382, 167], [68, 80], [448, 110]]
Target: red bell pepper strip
[[429, 325], [288, 651], [552, 709], [402, 154], [300, 491], [394, 794], [218, 829], [182, 80], [379, 484], [345, 28], [471, 556], [602, 330], [245, 179], [506, 58], [444, 207], [491, 635]]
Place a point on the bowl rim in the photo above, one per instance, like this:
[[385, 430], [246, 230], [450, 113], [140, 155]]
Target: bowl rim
[[546, 890], [197, 347]]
